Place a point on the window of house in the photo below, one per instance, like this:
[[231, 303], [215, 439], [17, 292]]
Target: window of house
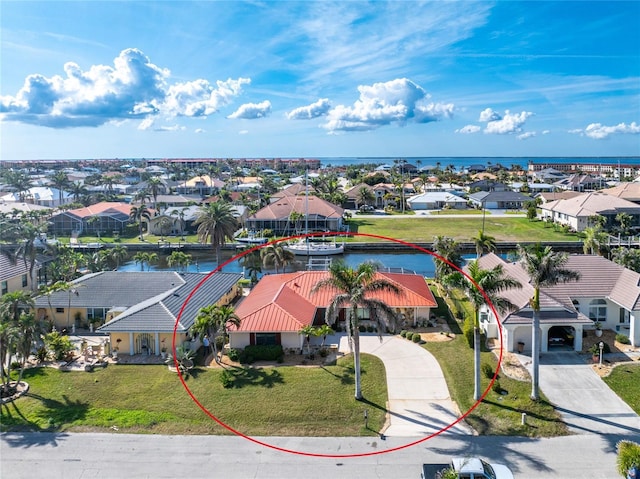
[[59, 310], [266, 339], [598, 310], [5, 287], [96, 313], [25, 280], [484, 316]]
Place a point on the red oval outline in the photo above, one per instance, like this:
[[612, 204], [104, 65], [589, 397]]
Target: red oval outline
[[324, 455]]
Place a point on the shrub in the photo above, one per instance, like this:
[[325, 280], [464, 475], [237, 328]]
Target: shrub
[[263, 352], [59, 346], [226, 379], [416, 337], [487, 370], [403, 333], [628, 457], [595, 349], [369, 329], [622, 338], [323, 353], [42, 354], [362, 328], [233, 354]]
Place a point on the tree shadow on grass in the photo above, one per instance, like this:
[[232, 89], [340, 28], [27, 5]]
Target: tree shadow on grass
[[345, 374], [243, 377], [55, 415]]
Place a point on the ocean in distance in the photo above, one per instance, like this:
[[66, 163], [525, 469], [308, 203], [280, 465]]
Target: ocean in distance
[[460, 163]]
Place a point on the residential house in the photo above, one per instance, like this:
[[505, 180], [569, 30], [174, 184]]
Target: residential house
[[546, 197], [320, 215], [492, 200], [140, 310], [14, 274], [280, 305], [111, 217], [436, 200], [40, 195], [606, 293], [629, 191], [578, 182], [577, 212], [486, 185], [203, 185]]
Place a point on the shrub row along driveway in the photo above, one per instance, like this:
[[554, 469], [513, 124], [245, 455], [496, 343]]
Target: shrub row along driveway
[[419, 401]]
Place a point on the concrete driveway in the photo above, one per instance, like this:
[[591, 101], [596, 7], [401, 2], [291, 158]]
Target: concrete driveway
[[585, 402], [419, 401]]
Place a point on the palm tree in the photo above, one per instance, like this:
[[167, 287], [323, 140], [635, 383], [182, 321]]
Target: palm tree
[[139, 213], [216, 223], [154, 184], [308, 331], [353, 289], [594, 240], [448, 256], [324, 331], [212, 321], [60, 181], [179, 259], [624, 220], [277, 256], [545, 268], [143, 258], [252, 262], [117, 254], [78, 190], [364, 196], [482, 286], [483, 243], [20, 182], [12, 306]]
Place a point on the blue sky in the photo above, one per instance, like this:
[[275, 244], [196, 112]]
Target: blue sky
[[314, 79]]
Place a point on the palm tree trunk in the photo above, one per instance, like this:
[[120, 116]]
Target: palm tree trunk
[[356, 361], [535, 355], [476, 363]]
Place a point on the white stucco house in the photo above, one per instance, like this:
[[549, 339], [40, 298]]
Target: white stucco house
[[436, 200], [606, 292]]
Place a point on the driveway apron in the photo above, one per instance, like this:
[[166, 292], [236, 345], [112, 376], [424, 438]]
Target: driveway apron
[[586, 403], [419, 401]]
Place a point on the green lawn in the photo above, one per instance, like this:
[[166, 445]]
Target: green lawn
[[282, 401], [462, 229], [625, 381], [498, 414]]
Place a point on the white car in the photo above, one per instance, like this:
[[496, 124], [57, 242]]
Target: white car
[[467, 468], [476, 468]]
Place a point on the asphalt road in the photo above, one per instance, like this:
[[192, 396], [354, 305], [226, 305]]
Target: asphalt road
[[92, 455]]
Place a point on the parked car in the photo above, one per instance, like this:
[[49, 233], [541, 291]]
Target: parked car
[[466, 468]]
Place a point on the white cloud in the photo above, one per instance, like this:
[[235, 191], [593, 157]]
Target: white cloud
[[146, 124], [505, 124], [319, 108], [598, 131], [489, 115], [251, 111], [200, 130], [469, 129], [243, 132], [132, 88], [545, 132], [396, 101], [527, 135]]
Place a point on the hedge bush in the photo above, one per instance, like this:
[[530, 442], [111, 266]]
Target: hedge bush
[[621, 338], [416, 337], [403, 333], [261, 353]]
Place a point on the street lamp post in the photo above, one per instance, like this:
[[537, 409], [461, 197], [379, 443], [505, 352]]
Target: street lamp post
[[601, 346]]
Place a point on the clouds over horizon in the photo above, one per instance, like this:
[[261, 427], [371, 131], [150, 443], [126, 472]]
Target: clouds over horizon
[[252, 111], [308, 112], [134, 88], [497, 124], [598, 131], [398, 101]]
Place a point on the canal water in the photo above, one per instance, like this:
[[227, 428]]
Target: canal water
[[205, 261]]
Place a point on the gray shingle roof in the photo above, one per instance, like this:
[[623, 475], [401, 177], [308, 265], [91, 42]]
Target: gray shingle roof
[[160, 313], [9, 269]]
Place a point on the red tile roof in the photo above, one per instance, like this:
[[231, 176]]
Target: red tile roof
[[284, 302], [100, 208]]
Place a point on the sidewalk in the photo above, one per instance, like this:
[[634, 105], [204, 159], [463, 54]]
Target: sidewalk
[[419, 400]]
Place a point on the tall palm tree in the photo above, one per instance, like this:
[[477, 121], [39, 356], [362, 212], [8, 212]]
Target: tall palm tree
[[179, 259], [60, 181], [277, 256], [138, 214], [252, 263], [145, 258], [216, 223], [353, 290], [12, 306], [484, 242], [482, 286], [154, 184], [20, 182], [78, 190], [545, 267], [117, 254]]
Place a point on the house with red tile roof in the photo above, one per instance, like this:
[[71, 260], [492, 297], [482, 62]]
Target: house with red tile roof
[[112, 216], [277, 216], [280, 305]]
